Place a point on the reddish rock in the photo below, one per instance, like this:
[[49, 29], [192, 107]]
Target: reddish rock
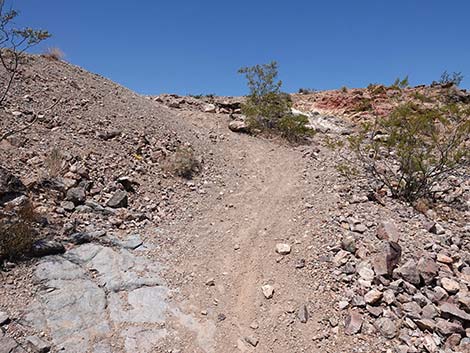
[[388, 231], [353, 323], [427, 269]]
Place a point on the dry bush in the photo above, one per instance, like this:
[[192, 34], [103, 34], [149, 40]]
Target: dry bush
[[183, 162], [54, 54], [54, 163], [17, 232]]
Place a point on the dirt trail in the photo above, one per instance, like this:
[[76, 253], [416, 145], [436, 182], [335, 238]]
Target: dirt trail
[[232, 241]]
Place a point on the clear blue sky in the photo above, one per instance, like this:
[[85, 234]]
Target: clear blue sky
[[197, 46]]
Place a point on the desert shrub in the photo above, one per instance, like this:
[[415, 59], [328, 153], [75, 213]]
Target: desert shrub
[[455, 78], [267, 108], [422, 97], [184, 163], [400, 84], [54, 162], [200, 96], [54, 54], [307, 90], [414, 149], [294, 127], [344, 89], [17, 232], [364, 105], [375, 89]]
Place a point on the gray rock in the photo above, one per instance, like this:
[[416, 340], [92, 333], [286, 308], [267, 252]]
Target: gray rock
[[450, 285], [388, 231], [409, 272], [127, 183], [429, 344], [430, 311], [76, 195], [427, 269], [81, 238], [37, 345], [118, 200], [141, 339], [132, 243], [283, 249], [268, 291], [426, 324], [83, 209], [238, 126], [436, 228], [375, 311], [303, 314], [358, 228], [209, 108], [388, 297], [358, 301], [42, 248], [385, 262], [82, 310], [4, 318], [252, 340], [386, 327], [348, 243], [11, 186], [412, 310], [447, 328], [9, 345], [67, 205], [453, 311], [365, 271], [373, 296], [453, 340], [464, 300]]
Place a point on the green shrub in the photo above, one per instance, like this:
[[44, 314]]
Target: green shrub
[[364, 105], [268, 109], [294, 127], [376, 89], [307, 90], [399, 84], [414, 149], [422, 97]]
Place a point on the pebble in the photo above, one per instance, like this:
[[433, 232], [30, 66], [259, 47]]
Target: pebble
[[303, 314], [252, 340], [373, 296], [353, 323], [283, 249], [268, 291]]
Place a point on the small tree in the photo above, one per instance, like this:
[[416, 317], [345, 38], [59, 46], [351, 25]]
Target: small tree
[[455, 78], [267, 108], [14, 42], [415, 148]]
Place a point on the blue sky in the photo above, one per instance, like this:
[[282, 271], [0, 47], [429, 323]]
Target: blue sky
[[193, 47]]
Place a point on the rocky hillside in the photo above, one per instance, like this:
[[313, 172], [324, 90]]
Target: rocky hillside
[[161, 229]]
